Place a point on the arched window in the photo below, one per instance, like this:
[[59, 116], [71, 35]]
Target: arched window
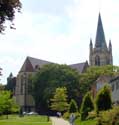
[[97, 61], [21, 87]]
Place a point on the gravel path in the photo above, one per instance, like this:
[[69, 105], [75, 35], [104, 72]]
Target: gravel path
[[59, 121]]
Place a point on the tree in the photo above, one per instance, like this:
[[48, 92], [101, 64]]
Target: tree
[[2, 87], [7, 104], [59, 100], [103, 99], [73, 106], [50, 77], [86, 106], [7, 12], [90, 76]]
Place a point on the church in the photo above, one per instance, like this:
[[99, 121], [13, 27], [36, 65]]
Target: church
[[100, 54]]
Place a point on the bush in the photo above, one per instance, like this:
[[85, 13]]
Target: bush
[[66, 115], [73, 106], [103, 99], [86, 106], [110, 117], [92, 115]]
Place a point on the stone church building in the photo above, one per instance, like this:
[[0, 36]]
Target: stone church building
[[99, 55]]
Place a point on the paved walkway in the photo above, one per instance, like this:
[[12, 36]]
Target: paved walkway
[[59, 121]]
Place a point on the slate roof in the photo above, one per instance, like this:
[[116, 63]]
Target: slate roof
[[31, 64], [100, 41], [80, 66]]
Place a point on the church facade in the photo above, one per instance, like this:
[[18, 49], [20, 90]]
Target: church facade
[[30, 68], [99, 55]]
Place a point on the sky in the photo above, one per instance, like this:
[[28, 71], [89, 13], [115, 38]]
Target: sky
[[57, 31]]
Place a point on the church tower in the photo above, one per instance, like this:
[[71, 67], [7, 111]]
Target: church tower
[[100, 54]]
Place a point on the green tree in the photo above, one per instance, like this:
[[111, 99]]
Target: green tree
[[86, 106], [73, 106], [59, 100], [50, 77], [91, 75], [7, 12], [7, 103], [103, 99]]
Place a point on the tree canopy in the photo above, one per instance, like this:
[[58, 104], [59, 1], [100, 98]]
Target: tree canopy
[[86, 106], [103, 99], [50, 77], [92, 73], [73, 106], [59, 100], [7, 103], [7, 12]]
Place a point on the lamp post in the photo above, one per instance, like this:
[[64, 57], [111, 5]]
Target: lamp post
[[25, 92]]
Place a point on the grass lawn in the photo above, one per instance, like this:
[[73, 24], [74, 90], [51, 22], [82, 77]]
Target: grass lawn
[[26, 120], [88, 122]]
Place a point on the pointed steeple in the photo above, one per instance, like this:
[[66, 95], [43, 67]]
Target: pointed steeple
[[100, 36], [91, 44]]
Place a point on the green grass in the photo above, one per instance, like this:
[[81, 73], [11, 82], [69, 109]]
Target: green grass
[[26, 120], [88, 122]]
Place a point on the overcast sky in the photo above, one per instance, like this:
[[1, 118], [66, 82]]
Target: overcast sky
[[57, 31]]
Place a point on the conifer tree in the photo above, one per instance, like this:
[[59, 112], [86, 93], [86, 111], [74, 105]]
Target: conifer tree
[[103, 99], [59, 101], [86, 106], [73, 106]]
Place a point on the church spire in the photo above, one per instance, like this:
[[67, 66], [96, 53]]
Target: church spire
[[100, 36]]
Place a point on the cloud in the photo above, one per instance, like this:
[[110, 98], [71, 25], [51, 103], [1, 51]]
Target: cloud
[[58, 31], [52, 7]]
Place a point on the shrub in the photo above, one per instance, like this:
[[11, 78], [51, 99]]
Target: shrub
[[66, 115], [73, 106], [103, 99], [86, 106], [110, 117], [92, 115]]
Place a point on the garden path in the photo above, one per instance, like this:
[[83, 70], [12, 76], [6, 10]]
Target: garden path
[[59, 121]]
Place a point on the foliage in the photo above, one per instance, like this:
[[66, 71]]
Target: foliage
[[7, 104], [59, 101], [7, 11], [92, 73], [110, 117], [66, 115], [86, 106], [87, 122], [103, 99], [92, 115], [14, 107], [50, 77], [73, 106], [2, 87]]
